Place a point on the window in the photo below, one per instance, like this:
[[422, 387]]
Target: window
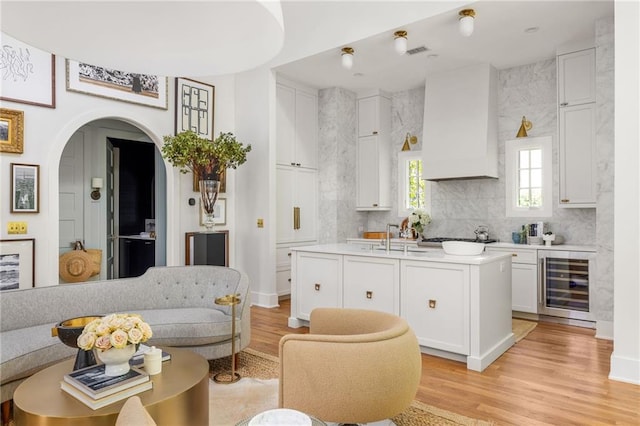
[[528, 177], [413, 191]]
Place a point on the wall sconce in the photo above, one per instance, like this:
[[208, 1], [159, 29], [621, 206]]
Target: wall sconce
[[347, 57], [409, 139], [400, 42], [526, 125], [467, 16], [96, 184]]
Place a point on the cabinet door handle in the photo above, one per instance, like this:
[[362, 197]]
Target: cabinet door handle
[[369, 295], [375, 205], [375, 132], [293, 164], [296, 218], [432, 303], [564, 104], [289, 254], [317, 287], [289, 279], [564, 200], [298, 164], [514, 254]]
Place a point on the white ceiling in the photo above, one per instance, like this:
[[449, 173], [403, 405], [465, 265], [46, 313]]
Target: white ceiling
[[499, 39]]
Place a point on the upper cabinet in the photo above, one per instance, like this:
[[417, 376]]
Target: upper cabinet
[[576, 78], [296, 126], [373, 153], [577, 128], [460, 124]]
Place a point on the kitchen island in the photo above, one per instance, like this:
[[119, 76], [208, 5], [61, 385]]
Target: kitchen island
[[458, 306]]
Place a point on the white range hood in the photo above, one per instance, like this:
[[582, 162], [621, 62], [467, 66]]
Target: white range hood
[[460, 124]]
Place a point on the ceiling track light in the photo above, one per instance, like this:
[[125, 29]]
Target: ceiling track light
[[347, 57], [400, 42], [467, 16]]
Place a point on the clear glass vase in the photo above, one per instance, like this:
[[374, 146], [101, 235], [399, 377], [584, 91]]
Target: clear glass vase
[[209, 194]]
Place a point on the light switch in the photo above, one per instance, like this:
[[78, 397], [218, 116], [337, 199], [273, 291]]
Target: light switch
[[16, 227], [260, 223]]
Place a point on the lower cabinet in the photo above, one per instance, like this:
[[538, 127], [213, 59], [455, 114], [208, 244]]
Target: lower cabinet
[[524, 278], [435, 303], [318, 280], [136, 256], [371, 284]]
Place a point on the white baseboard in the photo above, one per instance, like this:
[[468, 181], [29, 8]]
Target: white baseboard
[[604, 330], [264, 300], [297, 323], [625, 369], [479, 363]]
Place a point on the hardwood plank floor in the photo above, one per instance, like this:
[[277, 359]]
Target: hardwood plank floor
[[557, 375]]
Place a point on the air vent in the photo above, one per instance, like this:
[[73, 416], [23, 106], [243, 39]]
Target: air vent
[[417, 50]]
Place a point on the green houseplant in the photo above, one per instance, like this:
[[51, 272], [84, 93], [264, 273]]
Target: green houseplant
[[206, 159]]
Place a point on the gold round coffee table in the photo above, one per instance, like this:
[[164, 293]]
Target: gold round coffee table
[[180, 396]]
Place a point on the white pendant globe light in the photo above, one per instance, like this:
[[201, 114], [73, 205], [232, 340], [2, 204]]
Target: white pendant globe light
[[347, 57], [166, 38], [467, 16], [400, 42]]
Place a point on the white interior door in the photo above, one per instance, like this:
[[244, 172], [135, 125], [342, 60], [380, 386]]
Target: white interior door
[[71, 189]]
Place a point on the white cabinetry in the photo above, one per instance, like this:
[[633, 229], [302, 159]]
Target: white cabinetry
[[576, 128], [296, 207], [435, 303], [296, 126], [577, 135], [524, 279], [371, 284], [577, 78], [373, 153], [318, 279]]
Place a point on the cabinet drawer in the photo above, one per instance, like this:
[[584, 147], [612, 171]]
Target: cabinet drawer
[[518, 255], [371, 284], [283, 256]]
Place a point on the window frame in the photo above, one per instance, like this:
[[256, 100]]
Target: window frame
[[403, 158], [512, 154]]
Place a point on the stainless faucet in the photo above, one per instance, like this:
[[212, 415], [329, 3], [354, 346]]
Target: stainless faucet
[[388, 240]]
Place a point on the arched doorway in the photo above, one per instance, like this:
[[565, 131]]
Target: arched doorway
[[132, 202]]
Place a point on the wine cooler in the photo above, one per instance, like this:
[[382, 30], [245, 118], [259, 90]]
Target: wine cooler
[[565, 283]]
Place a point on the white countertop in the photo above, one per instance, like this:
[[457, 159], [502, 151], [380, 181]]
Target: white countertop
[[412, 243], [428, 254], [136, 237]]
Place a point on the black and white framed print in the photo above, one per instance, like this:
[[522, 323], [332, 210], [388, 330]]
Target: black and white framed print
[[17, 266], [194, 107], [25, 188]]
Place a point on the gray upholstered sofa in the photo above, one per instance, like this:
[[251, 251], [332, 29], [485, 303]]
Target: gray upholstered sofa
[[177, 302]]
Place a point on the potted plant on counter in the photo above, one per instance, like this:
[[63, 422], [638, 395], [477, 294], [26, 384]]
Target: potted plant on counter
[[206, 159]]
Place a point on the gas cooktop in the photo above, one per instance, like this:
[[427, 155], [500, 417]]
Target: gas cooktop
[[437, 242]]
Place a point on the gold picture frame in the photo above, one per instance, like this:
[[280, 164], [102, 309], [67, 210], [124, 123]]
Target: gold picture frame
[[11, 131]]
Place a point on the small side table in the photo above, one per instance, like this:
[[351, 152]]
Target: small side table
[[230, 300]]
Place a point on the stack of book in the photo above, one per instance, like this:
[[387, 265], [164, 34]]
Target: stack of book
[[96, 390]]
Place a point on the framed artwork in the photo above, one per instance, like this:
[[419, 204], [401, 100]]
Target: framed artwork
[[28, 73], [221, 176], [219, 212], [25, 188], [11, 131], [17, 266], [143, 89], [194, 107]]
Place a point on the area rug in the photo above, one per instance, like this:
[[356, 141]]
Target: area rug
[[257, 391], [521, 328]]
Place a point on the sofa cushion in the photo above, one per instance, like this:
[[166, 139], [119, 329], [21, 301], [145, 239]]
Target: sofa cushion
[[28, 350], [188, 326]]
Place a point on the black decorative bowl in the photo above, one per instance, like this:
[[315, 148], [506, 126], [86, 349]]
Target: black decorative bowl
[[68, 332]]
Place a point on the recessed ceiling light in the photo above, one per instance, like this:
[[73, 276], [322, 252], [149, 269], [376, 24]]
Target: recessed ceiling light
[[432, 55], [358, 74], [531, 30]]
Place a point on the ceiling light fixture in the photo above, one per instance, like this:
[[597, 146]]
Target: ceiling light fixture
[[347, 57], [400, 42], [467, 16]]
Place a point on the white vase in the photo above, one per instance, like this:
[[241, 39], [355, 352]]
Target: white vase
[[116, 361]]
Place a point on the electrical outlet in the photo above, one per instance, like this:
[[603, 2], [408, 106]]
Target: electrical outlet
[[260, 223]]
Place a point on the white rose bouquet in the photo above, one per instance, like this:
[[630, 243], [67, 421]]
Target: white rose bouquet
[[419, 219], [114, 331]]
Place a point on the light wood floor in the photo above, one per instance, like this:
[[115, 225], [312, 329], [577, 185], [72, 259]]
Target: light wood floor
[[557, 375]]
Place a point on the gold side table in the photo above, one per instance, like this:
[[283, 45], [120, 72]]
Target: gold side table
[[230, 300]]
